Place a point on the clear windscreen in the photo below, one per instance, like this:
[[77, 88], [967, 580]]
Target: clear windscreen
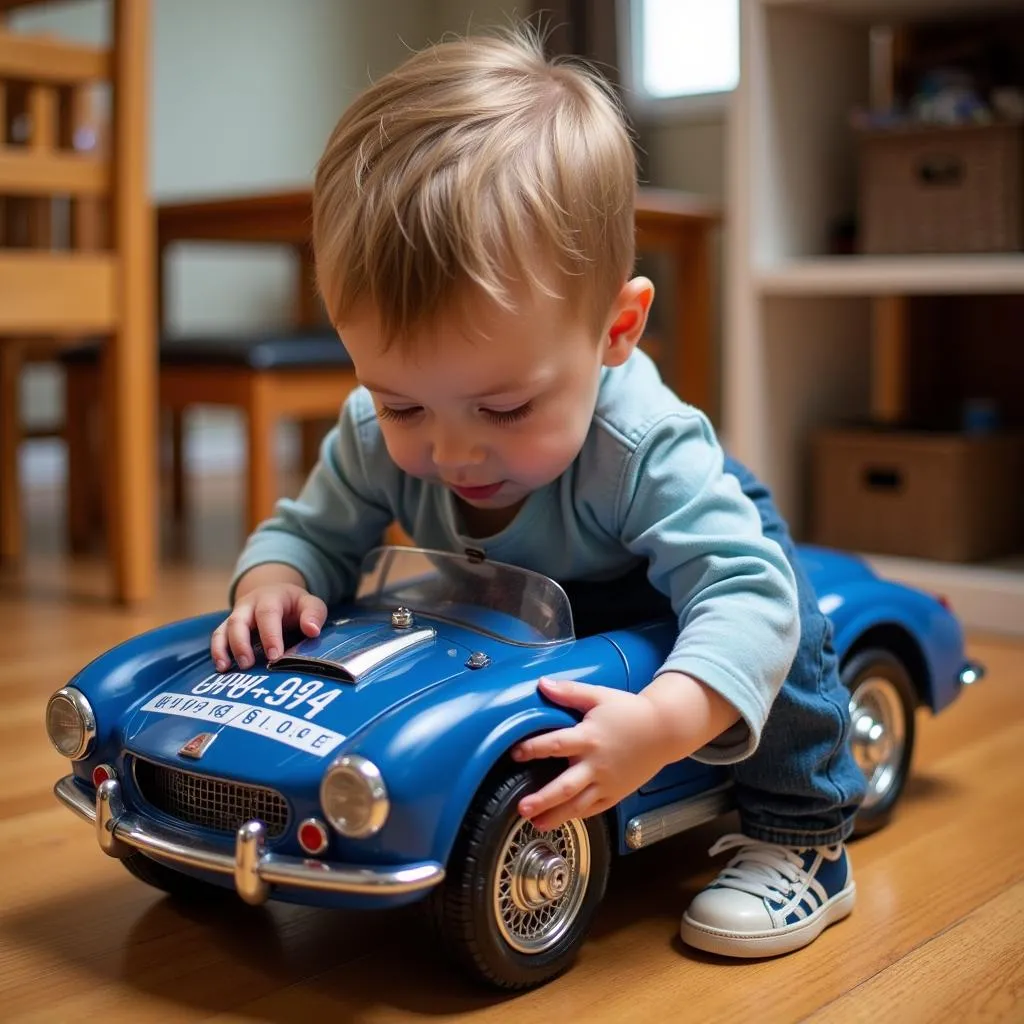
[[502, 600]]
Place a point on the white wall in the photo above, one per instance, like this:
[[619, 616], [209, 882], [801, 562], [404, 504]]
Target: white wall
[[465, 16], [688, 155]]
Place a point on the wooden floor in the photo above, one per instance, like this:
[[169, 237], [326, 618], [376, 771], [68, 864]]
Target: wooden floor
[[937, 934]]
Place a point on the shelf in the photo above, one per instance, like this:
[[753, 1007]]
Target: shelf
[[895, 275], [797, 355], [896, 10], [987, 597]]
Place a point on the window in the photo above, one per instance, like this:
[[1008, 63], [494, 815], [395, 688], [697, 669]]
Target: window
[[681, 56]]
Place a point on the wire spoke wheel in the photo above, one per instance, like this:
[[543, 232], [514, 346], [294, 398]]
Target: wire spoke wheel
[[540, 883], [878, 733], [517, 903], [882, 705]]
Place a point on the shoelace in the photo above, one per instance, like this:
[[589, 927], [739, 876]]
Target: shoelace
[[761, 869]]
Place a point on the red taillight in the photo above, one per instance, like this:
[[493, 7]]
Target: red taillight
[[313, 837], [101, 773]]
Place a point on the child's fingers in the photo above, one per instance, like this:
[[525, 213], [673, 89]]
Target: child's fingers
[[581, 696], [312, 614], [586, 803], [219, 647], [571, 742], [268, 622], [240, 624], [572, 781]]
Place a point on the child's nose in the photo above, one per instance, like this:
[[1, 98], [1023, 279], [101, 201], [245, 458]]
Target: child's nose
[[452, 450]]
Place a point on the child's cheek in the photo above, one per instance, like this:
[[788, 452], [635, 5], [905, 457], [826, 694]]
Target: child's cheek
[[408, 456], [548, 456]]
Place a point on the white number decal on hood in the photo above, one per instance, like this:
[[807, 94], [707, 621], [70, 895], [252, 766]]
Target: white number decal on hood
[[292, 693]]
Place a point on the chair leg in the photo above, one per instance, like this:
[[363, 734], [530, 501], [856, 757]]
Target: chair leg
[[311, 433], [10, 437], [262, 482], [84, 467], [177, 417], [129, 446]]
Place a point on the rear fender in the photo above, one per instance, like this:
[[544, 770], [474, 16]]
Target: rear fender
[[932, 631]]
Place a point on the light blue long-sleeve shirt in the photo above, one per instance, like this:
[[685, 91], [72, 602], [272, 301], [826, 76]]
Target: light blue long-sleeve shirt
[[648, 485]]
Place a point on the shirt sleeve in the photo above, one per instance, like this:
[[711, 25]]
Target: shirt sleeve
[[341, 512], [731, 587]]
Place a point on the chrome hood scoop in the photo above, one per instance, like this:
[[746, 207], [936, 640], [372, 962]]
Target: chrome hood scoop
[[349, 656]]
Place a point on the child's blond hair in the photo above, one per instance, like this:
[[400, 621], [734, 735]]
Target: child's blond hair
[[476, 164]]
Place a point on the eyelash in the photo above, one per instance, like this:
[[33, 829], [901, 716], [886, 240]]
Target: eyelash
[[509, 415], [503, 418], [398, 415]]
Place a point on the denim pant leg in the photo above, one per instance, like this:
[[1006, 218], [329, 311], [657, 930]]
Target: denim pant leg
[[801, 786]]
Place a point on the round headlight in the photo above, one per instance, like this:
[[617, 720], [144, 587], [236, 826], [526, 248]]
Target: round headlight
[[70, 723], [354, 798]]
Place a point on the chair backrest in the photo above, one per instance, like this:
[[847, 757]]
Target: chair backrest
[[74, 212]]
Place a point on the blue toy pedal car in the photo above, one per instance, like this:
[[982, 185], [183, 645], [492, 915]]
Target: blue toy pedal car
[[370, 766]]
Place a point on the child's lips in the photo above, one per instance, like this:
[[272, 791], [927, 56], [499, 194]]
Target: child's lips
[[477, 493]]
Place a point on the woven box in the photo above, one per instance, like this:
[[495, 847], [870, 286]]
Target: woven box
[[942, 189], [949, 497]]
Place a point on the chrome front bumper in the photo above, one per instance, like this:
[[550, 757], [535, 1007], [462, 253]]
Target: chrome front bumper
[[253, 868]]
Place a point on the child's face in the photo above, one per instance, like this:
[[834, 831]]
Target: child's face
[[494, 405]]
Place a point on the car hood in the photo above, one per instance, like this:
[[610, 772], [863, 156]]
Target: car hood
[[290, 719]]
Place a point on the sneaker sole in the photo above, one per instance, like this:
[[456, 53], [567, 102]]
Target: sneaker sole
[[769, 943]]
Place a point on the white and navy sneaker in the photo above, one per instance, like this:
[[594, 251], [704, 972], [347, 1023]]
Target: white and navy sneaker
[[769, 899]]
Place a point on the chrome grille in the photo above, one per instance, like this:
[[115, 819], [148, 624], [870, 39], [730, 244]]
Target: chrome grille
[[210, 803]]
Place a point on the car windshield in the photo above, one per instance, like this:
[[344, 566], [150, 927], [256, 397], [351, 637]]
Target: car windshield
[[502, 600]]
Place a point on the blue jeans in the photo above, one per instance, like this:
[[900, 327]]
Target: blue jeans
[[801, 786]]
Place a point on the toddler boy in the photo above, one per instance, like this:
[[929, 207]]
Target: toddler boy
[[473, 232]]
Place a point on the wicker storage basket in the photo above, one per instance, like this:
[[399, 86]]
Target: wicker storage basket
[[951, 497], [942, 189]]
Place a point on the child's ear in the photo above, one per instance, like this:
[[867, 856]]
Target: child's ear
[[627, 320]]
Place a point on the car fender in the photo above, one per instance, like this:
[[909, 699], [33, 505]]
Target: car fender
[[436, 750], [128, 671], [865, 605]]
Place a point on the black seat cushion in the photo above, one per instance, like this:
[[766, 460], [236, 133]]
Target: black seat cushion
[[284, 350]]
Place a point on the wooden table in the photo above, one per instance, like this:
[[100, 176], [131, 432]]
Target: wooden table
[[669, 222]]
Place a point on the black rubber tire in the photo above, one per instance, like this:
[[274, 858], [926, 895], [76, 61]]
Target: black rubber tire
[[882, 664], [177, 884], [461, 908]]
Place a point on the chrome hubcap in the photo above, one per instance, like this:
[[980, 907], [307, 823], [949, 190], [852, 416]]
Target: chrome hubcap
[[540, 883], [878, 735], [540, 876]]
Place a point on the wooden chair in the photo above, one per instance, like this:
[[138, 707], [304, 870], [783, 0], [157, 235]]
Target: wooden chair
[[53, 288], [297, 375]]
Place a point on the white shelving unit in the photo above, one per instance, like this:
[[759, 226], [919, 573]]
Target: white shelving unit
[[893, 275], [799, 322]]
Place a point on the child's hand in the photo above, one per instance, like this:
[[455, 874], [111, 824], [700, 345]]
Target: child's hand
[[622, 742], [271, 608]]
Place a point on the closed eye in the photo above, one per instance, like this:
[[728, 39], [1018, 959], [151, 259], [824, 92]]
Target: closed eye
[[386, 412], [507, 416]]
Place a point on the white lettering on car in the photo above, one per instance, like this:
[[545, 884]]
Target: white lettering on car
[[291, 694], [275, 725]]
